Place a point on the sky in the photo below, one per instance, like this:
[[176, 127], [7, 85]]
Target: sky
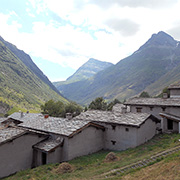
[[61, 35]]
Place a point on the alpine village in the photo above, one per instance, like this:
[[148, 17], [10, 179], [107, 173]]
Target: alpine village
[[106, 121]]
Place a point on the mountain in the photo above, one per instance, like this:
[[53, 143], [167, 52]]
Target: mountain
[[155, 61], [86, 71], [26, 59], [22, 84], [89, 69]]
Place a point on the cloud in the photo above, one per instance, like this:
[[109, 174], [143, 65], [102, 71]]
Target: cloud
[[64, 52], [9, 29], [135, 3], [125, 26], [175, 31], [70, 32]]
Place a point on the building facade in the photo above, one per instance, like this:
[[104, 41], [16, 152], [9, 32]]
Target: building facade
[[166, 109], [30, 140]]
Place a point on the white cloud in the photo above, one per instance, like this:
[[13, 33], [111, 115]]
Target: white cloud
[[135, 3], [125, 26], [9, 31], [106, 30]]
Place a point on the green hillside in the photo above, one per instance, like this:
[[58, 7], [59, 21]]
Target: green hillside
[[26, 59], [19, 85], [94, 166], [158, 58]]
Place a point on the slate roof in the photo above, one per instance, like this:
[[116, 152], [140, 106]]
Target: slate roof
[[154, 102], [2, 119], [117, 108], [132, 119], [23, 116], [170, 116], [53, 125], [49, 144], [9, 133], [174, 86]]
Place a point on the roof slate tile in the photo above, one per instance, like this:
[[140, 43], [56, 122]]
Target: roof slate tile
[[154, 101], [134, 119]]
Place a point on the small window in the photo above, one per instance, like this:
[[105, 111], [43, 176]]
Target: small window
[[127, 129], [139, 109], [151, 108], [113, 127], [163, 108], [113, 142]]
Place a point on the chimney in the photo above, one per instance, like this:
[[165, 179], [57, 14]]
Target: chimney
[[123, 109], [69, 116], [21, 113], [165, 95], [46, 116]]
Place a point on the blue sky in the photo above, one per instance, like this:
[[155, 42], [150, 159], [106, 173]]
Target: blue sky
[[62, 35]]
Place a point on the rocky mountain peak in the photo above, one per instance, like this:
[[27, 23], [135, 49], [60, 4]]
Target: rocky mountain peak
[[160, 39], [88, 69]]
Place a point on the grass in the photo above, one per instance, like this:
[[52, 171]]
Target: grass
[[165, 169], [17, 109], [92, 166]]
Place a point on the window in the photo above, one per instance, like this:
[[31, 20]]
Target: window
[[151, 108], [138, 109], [163, 108], [113, 142], [113, 127], [127, 129]]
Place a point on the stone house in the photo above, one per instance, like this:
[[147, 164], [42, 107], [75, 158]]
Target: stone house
[[167, 109], [16, 151], [30, 140], [122, 130]]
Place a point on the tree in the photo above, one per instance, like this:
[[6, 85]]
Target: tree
[[165, 90], [56, 109], [144, 94], [86, 108], [73, 108], [98, 104]]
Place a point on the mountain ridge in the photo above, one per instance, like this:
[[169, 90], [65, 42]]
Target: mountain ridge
[[19, 85], [86, 71], [131, 75], [26, 59]]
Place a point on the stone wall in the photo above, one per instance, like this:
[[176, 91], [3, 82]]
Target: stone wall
[[17, 154], [146, 131], [89, 140]]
